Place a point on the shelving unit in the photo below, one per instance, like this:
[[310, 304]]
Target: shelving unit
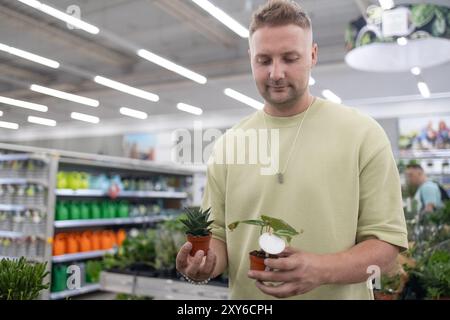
[[23, 181], [75, 292], [107, 222], [122, 194], [171, 199], [162, 289], [81, 256]]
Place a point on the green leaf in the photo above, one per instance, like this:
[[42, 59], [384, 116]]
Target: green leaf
[[278, 224]]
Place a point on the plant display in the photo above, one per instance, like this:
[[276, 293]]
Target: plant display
[[153, 250], [198, 229], [433, 273], [93, 270], [137, 249], [271, 240], [21, 280], [426, 20]]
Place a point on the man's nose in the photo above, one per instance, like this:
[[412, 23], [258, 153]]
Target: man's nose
[[277, 71]]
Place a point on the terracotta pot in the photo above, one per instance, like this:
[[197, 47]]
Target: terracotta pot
[[384, 296], [256, 262], [199, 243]]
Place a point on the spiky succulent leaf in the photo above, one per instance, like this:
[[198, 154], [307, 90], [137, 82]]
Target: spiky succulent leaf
[[197, 222]]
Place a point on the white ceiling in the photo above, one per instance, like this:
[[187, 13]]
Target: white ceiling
[[181, 32]]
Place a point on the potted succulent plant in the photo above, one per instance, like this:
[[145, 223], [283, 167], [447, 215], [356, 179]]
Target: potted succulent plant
[[271, 239], [21, 279], [198, 231]]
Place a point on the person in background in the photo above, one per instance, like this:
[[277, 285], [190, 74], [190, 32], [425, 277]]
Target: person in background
[[428, 193], [443, 136]]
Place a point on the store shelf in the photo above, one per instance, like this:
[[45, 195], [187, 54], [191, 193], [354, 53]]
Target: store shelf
[[106, 222], [166, 289], [122, 194], [80, 193], [11, 234], [35, 259], [23, 181], [153, 194], [23, 156], [18, 207], [81, 255], [75, 292]]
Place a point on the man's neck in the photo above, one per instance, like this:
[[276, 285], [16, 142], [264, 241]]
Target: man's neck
[[299, 107]]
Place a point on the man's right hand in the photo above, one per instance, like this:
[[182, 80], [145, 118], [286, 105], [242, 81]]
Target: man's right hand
[[198, 267]]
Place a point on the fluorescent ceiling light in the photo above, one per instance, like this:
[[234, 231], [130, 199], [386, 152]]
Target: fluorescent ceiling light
[[224, 18], [84, 117], [416, 71], [23, 104], [1, 113], [312, 81], [190, 109], [78, 23], [29, 56], [9, 125], [402, 41], [386, 4], [133, 113], [65, 95], [330, 95], [424, 90], [126, 89], [243, 98], [42, 121], [169, 65]]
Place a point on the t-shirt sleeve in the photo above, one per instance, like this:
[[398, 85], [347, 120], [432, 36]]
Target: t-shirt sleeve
[[380, 200], [214, 196], [430, 194]]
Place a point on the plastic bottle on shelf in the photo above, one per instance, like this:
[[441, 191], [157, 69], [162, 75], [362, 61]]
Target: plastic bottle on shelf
[[95, 212], [62, 182], [123, 209], [62, 212], [59, 244], [84, 211], [74, 211], [84, 180], [72, 243], [17, 222]]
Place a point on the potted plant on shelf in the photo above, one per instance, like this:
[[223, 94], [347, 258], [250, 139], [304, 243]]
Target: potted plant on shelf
[[198, 231], [434, 274], [21, 280], [271, 240]]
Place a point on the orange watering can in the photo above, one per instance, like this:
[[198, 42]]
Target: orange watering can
[[72, 243], [85, 241], [120, 237], [59, 244]]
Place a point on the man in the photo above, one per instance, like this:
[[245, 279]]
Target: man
[[428, 194], [337, 180]]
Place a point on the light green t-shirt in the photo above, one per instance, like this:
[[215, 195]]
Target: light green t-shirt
[[341, 187]]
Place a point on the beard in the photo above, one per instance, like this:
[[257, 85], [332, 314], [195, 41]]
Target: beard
[[282, 94]]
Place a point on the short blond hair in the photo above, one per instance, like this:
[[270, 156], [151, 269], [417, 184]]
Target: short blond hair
[[280, 13]]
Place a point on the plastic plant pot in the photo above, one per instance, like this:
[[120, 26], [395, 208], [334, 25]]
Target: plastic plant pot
[[199, 243]]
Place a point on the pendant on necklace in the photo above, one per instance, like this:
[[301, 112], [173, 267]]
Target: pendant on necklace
[[280, 178]]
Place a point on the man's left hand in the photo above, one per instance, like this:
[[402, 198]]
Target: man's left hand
[[297, 273]]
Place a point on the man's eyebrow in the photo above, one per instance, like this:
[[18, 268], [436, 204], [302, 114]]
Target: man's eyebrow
[[289, 53]]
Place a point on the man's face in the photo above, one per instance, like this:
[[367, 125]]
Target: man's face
[[413, 177], [282, 58]]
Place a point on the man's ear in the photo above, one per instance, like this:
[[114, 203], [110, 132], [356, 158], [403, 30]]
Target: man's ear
[[314, 54]]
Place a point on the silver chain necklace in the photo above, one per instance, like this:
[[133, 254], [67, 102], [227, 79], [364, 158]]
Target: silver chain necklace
[[280, 174]]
